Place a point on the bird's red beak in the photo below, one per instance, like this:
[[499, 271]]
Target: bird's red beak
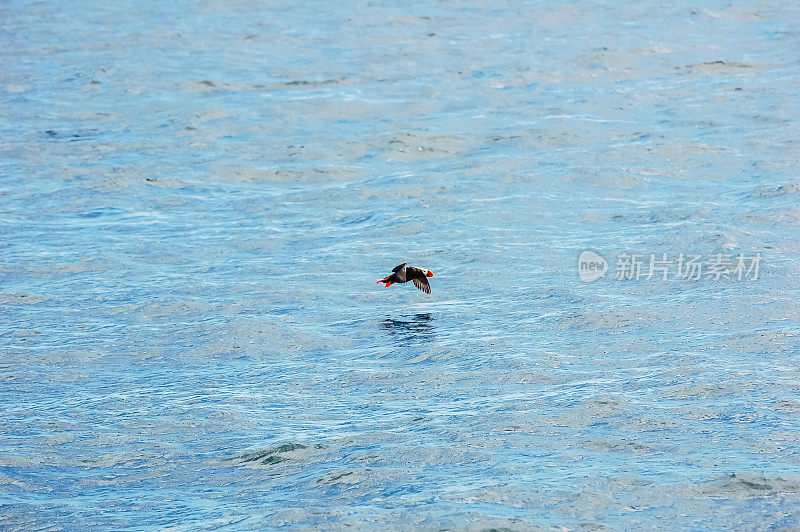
[[430, 274]]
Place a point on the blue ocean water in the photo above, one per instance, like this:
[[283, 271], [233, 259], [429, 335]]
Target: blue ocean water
[[198, 197]]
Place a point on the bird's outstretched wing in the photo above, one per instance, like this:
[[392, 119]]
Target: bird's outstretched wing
[[400, 267], [422, 284]]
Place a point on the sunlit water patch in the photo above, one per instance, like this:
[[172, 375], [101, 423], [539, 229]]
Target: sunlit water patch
[[197, 200]]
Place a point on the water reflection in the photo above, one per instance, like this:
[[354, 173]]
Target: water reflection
[[415, 327]]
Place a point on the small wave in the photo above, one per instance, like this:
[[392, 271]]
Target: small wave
[[274, 455], [771, 192], [751, 484]]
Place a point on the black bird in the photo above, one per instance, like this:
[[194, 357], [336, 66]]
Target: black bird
[[403, 274]]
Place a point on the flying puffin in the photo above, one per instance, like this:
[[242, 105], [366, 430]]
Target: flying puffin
[[403, 274]]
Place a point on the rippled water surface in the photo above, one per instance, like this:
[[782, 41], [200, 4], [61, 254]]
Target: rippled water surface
[[198, 197]]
